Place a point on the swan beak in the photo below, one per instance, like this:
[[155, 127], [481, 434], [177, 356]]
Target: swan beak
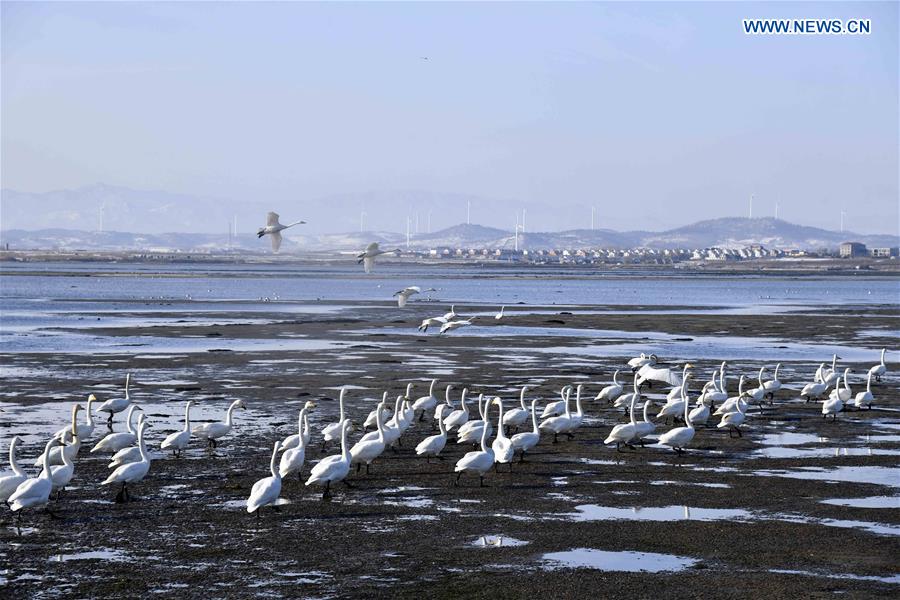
[[92, 398]]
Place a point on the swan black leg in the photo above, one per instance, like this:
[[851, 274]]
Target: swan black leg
[[456, 481]]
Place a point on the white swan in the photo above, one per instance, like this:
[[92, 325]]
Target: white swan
[[433, 444], [447, 402], [680, 437], [612, 391], [83, 431], [392, 429], [365, 451], [302, 435], [332, 431], [294, 446], [61, 475], [35, 491], [266, 491], [733, 420], [674, 407], [9, 483], [642, 360], [479, 461], [829, 376], [332, 468], [814, 390], [404, 294], [131, 472], [661, 374], [844, 393], [525, 441], [371, 417], [113, 442], [427, 403], [773, 385], [646, 427], [459, 416], [179, 440], [719, 394], [834, 404], [431, 322], [117, 405], [699, 415], [273, 229], [879, 370], [560, 423], [865, 397], [518, 415], [502, 446], [623, 433], [759, 392], [367, 256], [451, 325], [730, 405], [499, 315], [212, 432], [470, 431], [554, 409]]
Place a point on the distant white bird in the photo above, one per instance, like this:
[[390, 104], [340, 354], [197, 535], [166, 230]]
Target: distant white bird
[[773, 385], [431, 322], [517, 416], [367, 256], [114, 442], [131, 472], [365, 451], [523, 442], [834, 404], [663, 375], [646, 427], [499, 315], [623, 433], [644, 359], [273, 228], [9, 483], [35, 491], [679, 437], [879, 370], [404, 294], [432, 445], [332, 468], [213, 431], [479, 461], [332, 431], [613, 391], [831, 375], [61, 475], [427, 403], [116, 405], [554, 409], [865, 397], [812, 391], [461, 415], [295, 454], [302, 435], [502, 446], [179, 440], [733, 420], [84, 430], [451, 325], [265, 491]]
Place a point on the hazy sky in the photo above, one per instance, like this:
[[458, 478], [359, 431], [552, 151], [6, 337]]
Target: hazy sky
[[658, 113]]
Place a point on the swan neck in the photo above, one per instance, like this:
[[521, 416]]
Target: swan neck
[[46, 462], [631, 409], [12, 458], [345, 452], [484, 430], [341, 403], [141, 447], [187, 417], [275, 473], [534, 419], [379, 423]]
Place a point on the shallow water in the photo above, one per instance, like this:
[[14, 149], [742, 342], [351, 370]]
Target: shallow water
[[622, 561]]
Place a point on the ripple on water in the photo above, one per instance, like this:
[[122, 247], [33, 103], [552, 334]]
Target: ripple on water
[[632, 562]]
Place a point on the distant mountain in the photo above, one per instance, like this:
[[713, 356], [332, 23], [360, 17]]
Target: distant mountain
[[725, 233], [72, 218]]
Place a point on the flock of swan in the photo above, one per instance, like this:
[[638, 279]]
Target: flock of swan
[[496, 442]]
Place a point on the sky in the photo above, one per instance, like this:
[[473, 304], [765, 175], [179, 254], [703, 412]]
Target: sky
[[657, 114]]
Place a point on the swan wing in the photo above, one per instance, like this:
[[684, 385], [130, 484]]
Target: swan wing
[[271, 219], [276, 241]]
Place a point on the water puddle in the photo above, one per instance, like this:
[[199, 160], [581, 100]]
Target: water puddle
[[623, 561], [868, 502], [889, 476], [103, 554], [593, 512], [496, 541], [895, 579]]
